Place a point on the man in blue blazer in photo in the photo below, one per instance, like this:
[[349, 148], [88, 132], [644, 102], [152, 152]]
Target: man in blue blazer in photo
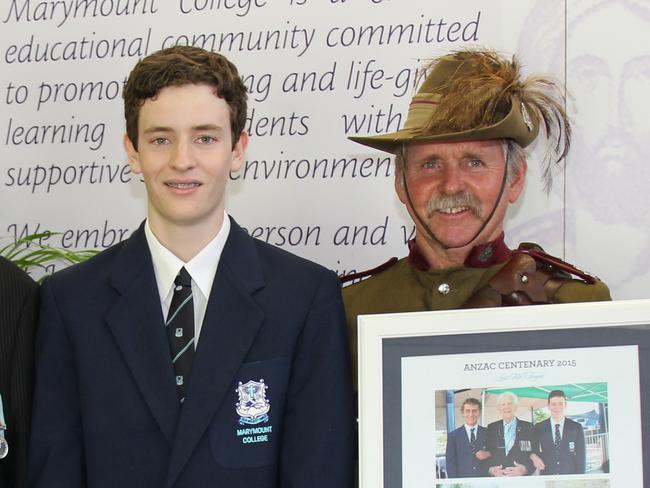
[[561, 440], [466, 446], [191, 355]]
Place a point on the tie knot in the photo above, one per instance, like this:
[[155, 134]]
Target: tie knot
[[183, 278]]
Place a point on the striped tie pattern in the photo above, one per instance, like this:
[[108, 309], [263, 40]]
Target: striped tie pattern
[[180, 330]]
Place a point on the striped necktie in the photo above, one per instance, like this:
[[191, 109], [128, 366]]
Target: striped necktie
[[180, 330], [557, 438]]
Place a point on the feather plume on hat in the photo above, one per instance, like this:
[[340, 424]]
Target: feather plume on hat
[[481, 91]]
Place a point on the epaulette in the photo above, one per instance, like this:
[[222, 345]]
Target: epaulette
[[544, 259], [363, 274]]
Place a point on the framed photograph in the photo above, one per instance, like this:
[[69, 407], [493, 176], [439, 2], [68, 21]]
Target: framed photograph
[[438, 393]]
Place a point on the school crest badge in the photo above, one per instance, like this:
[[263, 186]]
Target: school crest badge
[[253, 406]]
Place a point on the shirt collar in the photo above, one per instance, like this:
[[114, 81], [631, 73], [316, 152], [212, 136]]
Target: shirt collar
[[202, 267], [513, 422], [481, 256]]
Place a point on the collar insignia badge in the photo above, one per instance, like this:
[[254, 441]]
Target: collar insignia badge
[[486, 253]]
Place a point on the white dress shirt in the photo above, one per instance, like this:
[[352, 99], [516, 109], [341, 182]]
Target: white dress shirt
[[468, 430], [202, 269]]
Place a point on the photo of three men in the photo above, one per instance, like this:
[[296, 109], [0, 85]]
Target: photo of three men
[[519, 432]]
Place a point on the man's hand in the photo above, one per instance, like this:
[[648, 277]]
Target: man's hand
[[516, 470], [482, 455], [537, 462], [496, 471]]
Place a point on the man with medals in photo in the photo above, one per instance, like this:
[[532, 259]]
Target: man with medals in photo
[[510, 441]]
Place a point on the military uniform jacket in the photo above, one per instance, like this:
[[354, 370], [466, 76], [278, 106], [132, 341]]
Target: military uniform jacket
[[524, 446], [106, 408], [409, 286]]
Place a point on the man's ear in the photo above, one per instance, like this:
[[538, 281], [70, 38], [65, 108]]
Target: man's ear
[[239, 151], [132, 154], [516, 186], [399, 181]]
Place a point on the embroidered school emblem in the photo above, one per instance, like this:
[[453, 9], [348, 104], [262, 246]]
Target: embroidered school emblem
[[253, 406]]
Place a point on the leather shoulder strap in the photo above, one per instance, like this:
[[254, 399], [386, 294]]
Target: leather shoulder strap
[[542, 258], [530, 277]]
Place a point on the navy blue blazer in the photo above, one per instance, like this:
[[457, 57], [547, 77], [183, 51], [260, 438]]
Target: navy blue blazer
[[106, 410], [460, 458], [571, 457], [18, 307]]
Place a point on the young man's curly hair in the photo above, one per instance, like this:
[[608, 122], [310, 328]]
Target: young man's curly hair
[[184, 65]]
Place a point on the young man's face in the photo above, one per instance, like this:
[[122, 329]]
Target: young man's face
[[471, 414], [185, 154], [557, 405]]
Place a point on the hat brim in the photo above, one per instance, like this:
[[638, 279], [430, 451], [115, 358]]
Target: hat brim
[[515, 126]]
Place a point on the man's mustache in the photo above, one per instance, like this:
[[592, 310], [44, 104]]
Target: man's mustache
[[457, 200]]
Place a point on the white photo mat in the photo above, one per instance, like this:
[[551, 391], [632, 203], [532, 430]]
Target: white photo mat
[[615, 341]]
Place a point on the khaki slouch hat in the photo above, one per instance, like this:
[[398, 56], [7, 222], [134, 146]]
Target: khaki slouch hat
[[480, 95]]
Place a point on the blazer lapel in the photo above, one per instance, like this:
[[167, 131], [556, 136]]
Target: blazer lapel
[[229, 328], [501, 436], [481, 437], [464, 440], [138, 327]]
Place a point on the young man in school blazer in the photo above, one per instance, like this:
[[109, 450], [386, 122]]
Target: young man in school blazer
[[256, 393]]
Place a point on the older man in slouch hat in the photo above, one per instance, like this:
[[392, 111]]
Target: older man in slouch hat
[[460, 162]]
